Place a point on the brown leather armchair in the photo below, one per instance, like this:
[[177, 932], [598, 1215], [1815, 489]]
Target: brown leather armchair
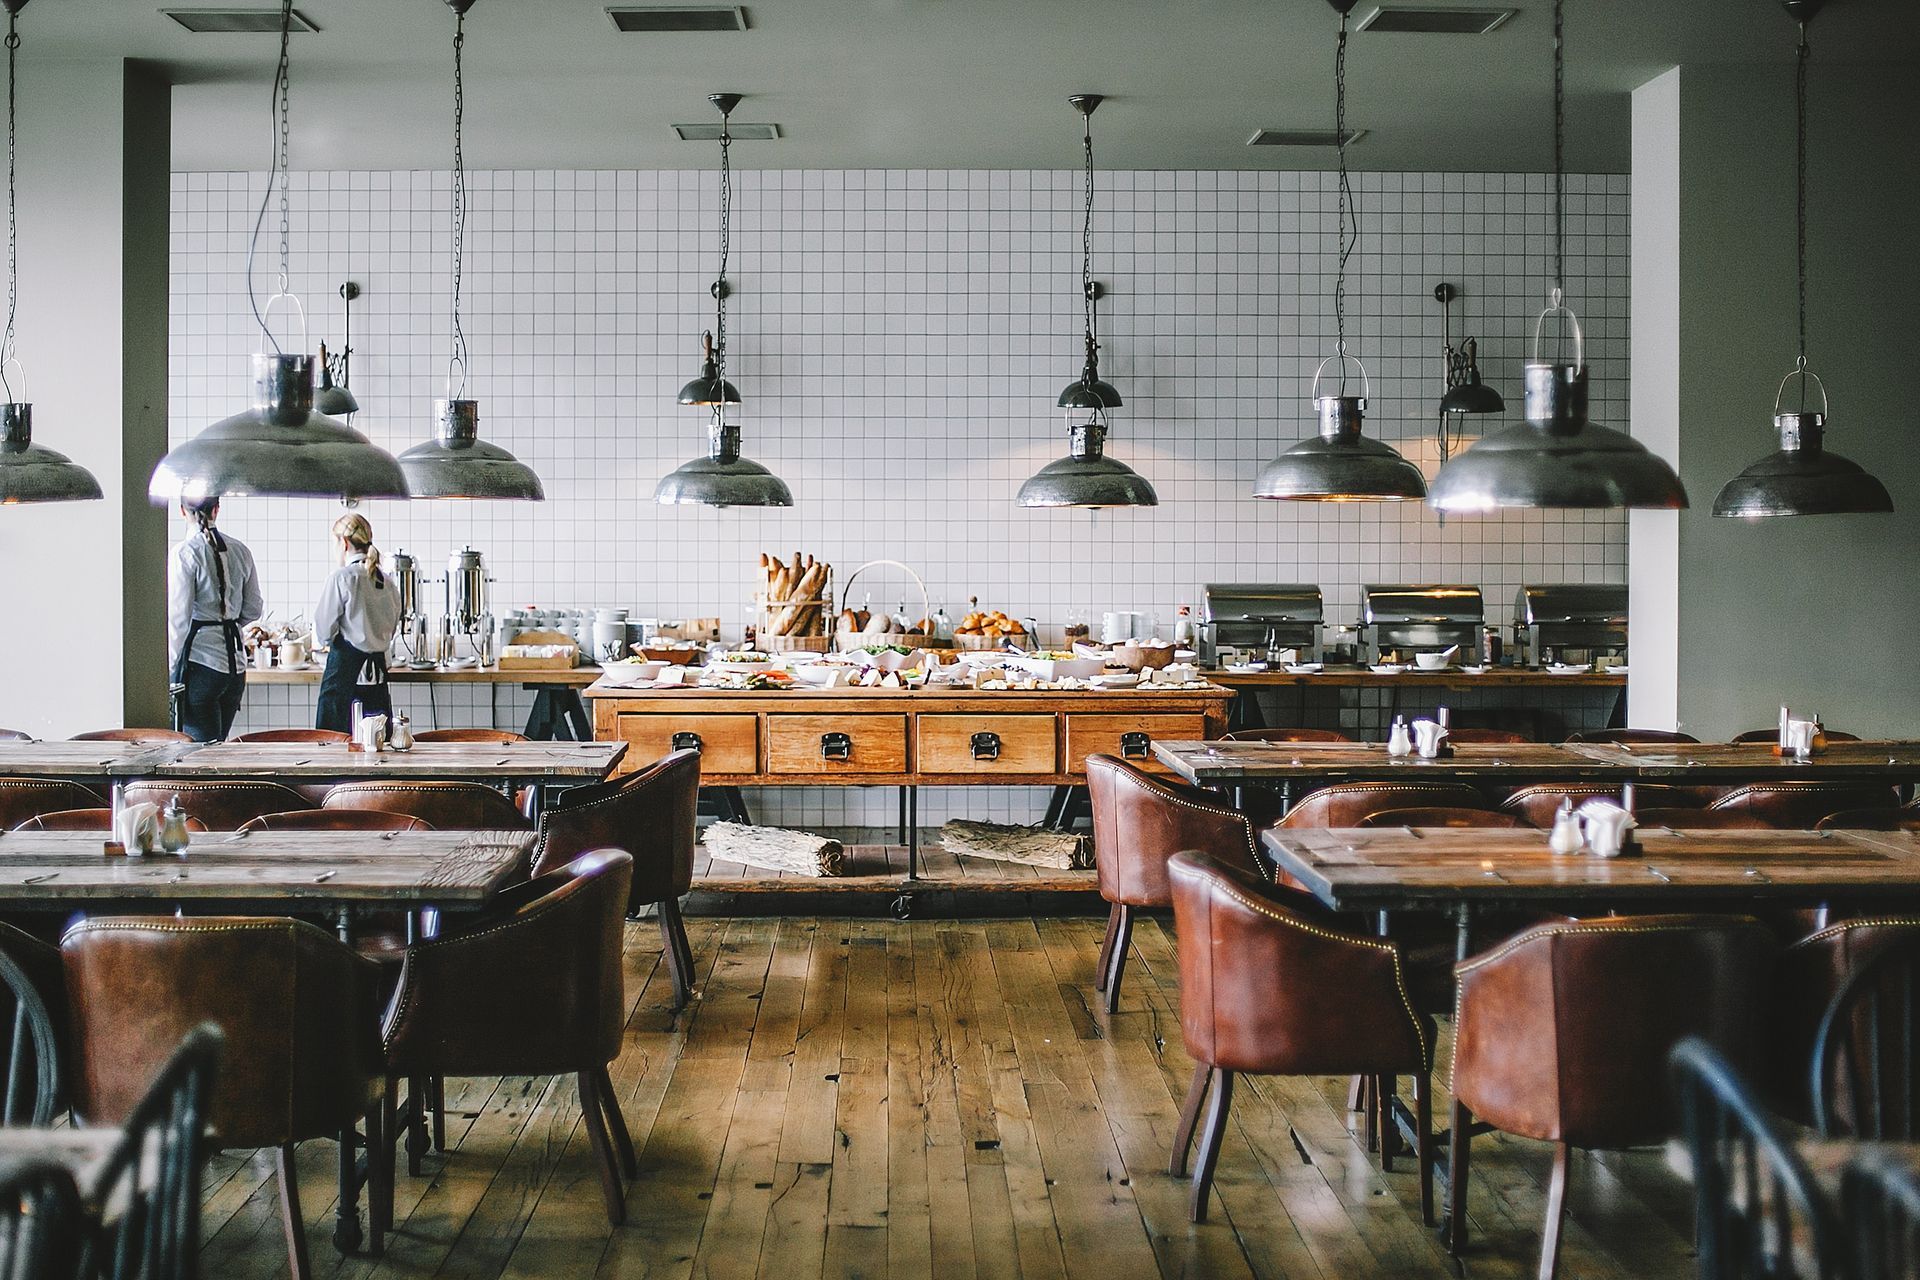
[[23, 798], [223, 806], [1287, 735], [1632, 735], [1441, 816], [1269, 986], [1797, 806], [1537, 804], [1907, 819], [100, 820], [1809, 975], [296, 1006], [446, 806], [1139, 822], [497, 737], [475, 1004], [337, 820], [1562, 1033], [1488, 737], [138, 736], [650, 813], [294, 735], [1685, 818], [1344, 803]]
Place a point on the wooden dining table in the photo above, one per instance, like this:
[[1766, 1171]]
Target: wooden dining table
[[94, 762]]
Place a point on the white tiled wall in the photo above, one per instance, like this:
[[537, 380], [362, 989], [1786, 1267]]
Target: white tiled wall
[[900, 337]]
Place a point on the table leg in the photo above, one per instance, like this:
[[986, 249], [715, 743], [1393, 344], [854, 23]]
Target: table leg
[[903, 815], [913, 832], [346, 1224]]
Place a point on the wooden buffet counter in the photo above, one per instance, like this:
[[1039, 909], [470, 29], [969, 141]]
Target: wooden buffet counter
[[900, 737]]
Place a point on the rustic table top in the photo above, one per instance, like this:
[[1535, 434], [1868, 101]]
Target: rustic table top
[[940, 699], [476, 761], [400, 868], [1377, 869], [1715, 760], [94, 760]]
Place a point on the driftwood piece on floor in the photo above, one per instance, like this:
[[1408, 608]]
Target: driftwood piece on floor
[[1060, 850], [799, 853]]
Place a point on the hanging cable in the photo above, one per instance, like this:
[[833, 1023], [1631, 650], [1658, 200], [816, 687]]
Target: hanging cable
[[1344, 198], [457, 389], [7, 352], [277, 175], [1086, 250], [1800, 196], [720, 285]]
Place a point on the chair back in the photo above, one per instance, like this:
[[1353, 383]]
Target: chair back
[[1631, 735], [336, 820], [1797, 806], [138, 736], [1757, 1210], [1808, 976], [446, 806], [23, 798], [1270, 984], [650, 813], [42, 1223], [1440, 816], [154, 1173], [15, 735], [497, 737], [32, 1048], [1140, 820], [222, 806], [1491, 737], [1907, 819], [1588, 1069], [1773, 735], [1537, 803], [1344, 803], [100, 820], [1865, 1063], [1287, 735], [535, 987], [297, 1006], [1880, 1212], [1685, 818], [294, 735]]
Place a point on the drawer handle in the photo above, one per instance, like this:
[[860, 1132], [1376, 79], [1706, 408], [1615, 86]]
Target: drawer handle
[[986, 746], [836, 746], [686, 742], [1133, 745]]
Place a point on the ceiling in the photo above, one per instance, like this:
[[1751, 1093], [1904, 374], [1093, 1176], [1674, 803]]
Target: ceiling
[[938, 83]]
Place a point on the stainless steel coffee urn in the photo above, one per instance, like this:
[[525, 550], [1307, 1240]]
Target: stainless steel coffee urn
[[469, 609], [415, 641]]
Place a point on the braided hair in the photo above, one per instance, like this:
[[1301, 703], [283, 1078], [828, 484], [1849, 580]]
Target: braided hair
[[204, 512]]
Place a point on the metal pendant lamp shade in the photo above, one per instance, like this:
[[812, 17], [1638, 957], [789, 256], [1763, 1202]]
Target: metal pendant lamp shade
[[709, 388], [28, 472], [723, 478], [1087, 477], [338, 399], [31, 472], [280, 447], [457, 463], [1465, 392], [1558, 458], [1801, 478], [1340, 464]]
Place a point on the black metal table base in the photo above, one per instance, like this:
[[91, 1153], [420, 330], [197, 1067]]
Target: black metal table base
[[558, 715]]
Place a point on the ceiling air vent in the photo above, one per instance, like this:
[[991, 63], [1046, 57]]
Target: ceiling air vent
[[1300, 137], [1420, 20], [703, 17], [235, 21], [741, 132]]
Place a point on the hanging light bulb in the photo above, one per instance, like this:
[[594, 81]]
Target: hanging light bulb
[[1086, 477], [280, 447], [457, 463], [1341, 464], [722, 478], [28, 472], [1801, 478], [338, 400], [1557, 458]]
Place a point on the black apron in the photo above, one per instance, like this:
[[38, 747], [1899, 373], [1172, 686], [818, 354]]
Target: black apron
[[236, 664], [351, 676]]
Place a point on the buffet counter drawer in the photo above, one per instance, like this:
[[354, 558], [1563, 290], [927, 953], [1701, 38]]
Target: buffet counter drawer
[[1129, 737], [835, 744], [986, 744], [728, 744]]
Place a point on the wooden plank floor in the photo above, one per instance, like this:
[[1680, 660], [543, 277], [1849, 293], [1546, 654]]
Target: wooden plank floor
[[872, 868], [930, 1098]]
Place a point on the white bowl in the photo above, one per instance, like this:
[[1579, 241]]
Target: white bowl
[[1304, 668], [1387, 668], [1432, 661]]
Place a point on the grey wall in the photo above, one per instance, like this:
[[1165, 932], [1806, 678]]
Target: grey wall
[[1820, 612], [146, 113]]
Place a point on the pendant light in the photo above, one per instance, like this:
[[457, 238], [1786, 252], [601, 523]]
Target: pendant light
[[1465, 392], [1340, 464], [280, 447], [457, 463], [1086, 477], [329, 397], [1557, 458], [28, 472], [723, 478], [1801, 478]]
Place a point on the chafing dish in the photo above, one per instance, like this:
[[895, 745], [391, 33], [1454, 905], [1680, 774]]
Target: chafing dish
[[1570, 622], [1409, 618], [1261, 615]]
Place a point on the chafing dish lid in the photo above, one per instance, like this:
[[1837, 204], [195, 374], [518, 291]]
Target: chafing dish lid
[[1263, 602], [1571, 602], [1435, 603]]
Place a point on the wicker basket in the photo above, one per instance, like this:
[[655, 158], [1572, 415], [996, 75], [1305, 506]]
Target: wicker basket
[[850, 640]]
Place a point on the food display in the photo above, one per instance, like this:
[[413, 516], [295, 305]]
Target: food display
[[794, 606], [987, 628]]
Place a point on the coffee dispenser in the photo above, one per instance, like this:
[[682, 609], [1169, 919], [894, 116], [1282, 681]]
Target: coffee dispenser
[[416, 640], [467, 622]]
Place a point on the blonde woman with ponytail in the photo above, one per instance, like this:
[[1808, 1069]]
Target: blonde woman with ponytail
[[212, 591], [356, 618]]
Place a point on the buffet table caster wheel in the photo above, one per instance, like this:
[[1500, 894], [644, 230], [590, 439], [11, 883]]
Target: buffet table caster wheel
[[347, 1234], [902, 906]]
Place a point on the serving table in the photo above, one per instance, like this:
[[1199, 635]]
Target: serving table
[[557, 710], [1247, 714]]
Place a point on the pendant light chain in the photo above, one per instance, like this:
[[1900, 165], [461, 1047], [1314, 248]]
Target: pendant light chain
[[726, 246], [457, 386], [7, 350], [1800, 193], [1344, 202], [1559, 152], [1086, 248], [279, 105]]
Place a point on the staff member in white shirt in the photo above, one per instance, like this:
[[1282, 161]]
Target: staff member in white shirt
[[212, 591], [356, 617]]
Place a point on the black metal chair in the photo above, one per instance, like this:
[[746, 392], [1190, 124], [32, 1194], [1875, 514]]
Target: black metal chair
[[153, 1177], [1865, 1060], [32, 1044], [1880, 1205], [41, 1221], [1758, 1213]]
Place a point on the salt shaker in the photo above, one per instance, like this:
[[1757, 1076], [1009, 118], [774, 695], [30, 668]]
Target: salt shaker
[[401, 737], [173, 827], [1399, 741], [1565, 837]]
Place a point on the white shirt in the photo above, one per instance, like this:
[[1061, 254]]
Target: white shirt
[[193, 592], [353, 609]]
